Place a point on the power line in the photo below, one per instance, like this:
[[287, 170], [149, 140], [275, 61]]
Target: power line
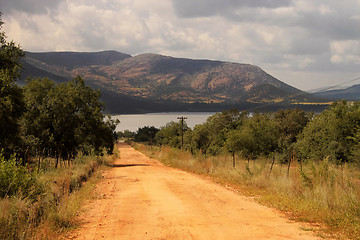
[[337, 85]]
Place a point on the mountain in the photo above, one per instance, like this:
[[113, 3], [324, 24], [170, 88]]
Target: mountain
[[152, 82], [71, 60], [160, 78], [350, 93]]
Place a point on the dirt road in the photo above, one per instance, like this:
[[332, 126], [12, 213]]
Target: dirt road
[[142, 199]]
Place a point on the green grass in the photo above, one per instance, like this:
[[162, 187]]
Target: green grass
[[321, 193], [50, 213]]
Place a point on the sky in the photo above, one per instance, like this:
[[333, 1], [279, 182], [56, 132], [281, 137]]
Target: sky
[[305, 43]]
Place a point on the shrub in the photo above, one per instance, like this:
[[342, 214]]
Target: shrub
[[15, 179]]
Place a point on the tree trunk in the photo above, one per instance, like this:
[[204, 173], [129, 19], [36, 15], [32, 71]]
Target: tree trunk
[[233, 156], [272, 164]]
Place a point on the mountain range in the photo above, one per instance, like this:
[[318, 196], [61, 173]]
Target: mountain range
[[349, 93], [152, 83]]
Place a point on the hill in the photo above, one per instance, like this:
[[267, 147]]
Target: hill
[[152, 82], [350, 93]]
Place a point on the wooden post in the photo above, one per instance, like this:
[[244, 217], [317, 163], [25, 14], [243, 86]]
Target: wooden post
[[27, 157], [57, 159], [233, 156], [151, 139], [39, 160], [182, 130], [272, 164], [291, 159]]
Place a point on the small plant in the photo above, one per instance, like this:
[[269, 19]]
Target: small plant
[[15, 179]]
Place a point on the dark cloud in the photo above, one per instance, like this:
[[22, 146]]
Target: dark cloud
[[206, 8], [28, 6], [331, 26]]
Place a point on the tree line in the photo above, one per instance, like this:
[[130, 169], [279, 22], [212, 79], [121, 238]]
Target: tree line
[[42, 117], [286, 134]]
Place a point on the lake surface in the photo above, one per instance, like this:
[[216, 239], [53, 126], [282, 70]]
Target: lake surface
[[133, 122]]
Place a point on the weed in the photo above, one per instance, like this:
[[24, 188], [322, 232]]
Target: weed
[[28, 213]]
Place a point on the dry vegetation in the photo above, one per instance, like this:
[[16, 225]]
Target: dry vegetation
[[321, 193], [54, 207]]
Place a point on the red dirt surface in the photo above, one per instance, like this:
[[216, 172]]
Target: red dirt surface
[[142, 199]]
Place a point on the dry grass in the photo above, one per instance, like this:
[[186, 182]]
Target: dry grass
[[56, 210], [321, 193]]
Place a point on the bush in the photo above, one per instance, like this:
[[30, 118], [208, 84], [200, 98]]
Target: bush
[[15, 179]]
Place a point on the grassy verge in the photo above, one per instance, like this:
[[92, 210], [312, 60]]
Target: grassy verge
[[323, 194], [54, 205]]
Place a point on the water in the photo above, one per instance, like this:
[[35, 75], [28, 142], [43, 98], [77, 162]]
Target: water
[[133, 122]]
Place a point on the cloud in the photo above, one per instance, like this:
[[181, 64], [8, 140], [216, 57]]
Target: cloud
[[205, 8], [345, 51], [29, 6], [277, 35]]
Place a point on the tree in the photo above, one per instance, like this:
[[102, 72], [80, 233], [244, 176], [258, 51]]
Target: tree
[[211, 137], [126, 134], [257, 136], [198, 139], [146, 134], [65, 118], [10, 55], [355, 149], [333, 133], [11, 98], [290, 122], [170, 134]]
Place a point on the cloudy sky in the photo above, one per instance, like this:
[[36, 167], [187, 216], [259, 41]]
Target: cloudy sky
[[305, 43]]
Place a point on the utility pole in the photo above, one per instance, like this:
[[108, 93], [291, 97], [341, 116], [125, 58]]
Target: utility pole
[[182, 130]]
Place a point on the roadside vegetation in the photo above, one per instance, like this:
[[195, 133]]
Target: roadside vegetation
[[45, 204], [52, 139], [307, 165]]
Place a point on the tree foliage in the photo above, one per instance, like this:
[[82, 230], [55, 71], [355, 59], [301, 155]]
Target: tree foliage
[[65, 118], [257, 136], [146, 134], [210, 137], [11, 99], [333, 134], [290, 123], [170, 134]]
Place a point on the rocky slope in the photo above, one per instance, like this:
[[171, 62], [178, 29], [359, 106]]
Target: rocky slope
[[158, 79]]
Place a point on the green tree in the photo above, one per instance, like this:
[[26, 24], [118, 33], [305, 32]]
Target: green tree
[[10, 55], [211, 137], [258, 136], [11, 98], [333, 133], [290, 123], [126, 134], [355, 148], [146, 134], [65, 118], [198, 139], [170, 134]]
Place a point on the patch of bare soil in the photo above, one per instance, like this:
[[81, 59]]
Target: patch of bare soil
[[142, 199]]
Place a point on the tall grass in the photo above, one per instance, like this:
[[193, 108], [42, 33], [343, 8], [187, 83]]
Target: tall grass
[[55, 208], [321, 193]]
